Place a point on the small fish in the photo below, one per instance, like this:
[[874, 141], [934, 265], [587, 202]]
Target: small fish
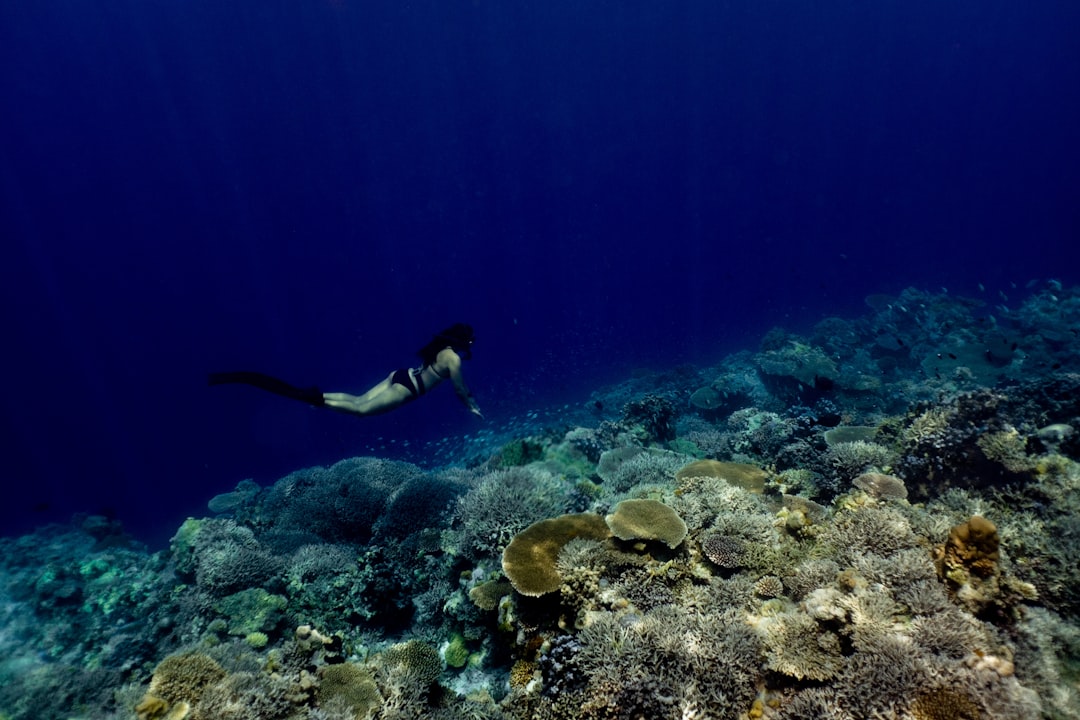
[[953, 357]]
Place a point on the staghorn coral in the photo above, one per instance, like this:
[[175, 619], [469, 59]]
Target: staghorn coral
[[818, 703], [951, 634], [502, 504], [419, 502], [809, 575], [228, 567], [222, 556], [850, 459], [337, 504], [247, 696], [878, 530], [882, 678], [622, 469]]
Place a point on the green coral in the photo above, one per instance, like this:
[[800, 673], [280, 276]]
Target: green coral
[[257, 640], [455, 652], [520, 451], [183, 545], [805, 363], [252, 611]]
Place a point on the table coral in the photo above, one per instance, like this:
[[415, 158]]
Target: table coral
[[748, 477], [530, 559], [646, 520]]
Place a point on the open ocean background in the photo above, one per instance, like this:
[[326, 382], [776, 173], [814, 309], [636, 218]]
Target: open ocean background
[[312, 189]]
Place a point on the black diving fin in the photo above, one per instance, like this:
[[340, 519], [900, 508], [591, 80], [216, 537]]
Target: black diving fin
[[311, 395]]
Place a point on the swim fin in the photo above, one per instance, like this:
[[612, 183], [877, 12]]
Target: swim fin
[[311, 395]]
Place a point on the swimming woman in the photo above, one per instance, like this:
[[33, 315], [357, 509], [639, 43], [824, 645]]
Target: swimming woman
[[440, 360]]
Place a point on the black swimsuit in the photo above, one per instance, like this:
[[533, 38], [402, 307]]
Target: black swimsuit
[[414, 382]]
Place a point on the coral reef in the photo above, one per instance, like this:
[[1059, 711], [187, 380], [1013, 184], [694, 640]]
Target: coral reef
[[726, 542]]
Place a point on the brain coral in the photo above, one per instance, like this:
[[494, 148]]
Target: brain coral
[[646, 520], [529, 561]]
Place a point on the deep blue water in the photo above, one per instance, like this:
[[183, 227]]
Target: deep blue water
[[312, 189]]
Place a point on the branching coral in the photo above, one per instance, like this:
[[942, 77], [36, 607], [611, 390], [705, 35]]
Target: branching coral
[[501, 505], [850, 459], [799, 647], [624, 468]]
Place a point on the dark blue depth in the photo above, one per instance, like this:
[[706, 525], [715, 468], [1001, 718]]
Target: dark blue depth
[[311, 189]]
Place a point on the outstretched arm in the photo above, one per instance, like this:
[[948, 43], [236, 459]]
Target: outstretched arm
[[453, 364]]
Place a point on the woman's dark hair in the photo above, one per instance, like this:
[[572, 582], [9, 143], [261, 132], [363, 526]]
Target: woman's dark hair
[[458, 336]]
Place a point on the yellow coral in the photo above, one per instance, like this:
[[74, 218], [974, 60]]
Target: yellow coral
[[927, 425], [529, 561], [522, 672], [944, 704], [646, 520], [1009, 448], [973, 546]]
